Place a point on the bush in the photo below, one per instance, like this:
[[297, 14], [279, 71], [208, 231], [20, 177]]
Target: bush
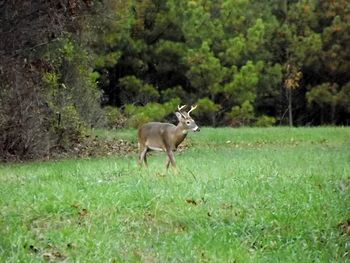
[[23, 115], [172, 93], [265, 121], [115, 118], [66, 129], [241, 115], [77, 82], [48, 102], [138, 115], [205, 107], [133, 89], [206, 110]]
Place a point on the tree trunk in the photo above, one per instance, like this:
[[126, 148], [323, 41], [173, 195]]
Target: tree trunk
[[213, 115], [290, 108], [333, 113]]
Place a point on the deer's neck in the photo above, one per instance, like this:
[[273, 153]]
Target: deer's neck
[[180, 134]]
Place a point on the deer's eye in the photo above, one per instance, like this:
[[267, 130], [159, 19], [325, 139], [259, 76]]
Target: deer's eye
[[188, 122]]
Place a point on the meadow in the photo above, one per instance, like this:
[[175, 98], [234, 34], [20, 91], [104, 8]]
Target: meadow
[[241, 195]]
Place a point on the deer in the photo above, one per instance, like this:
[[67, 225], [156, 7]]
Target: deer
[[165, 137]]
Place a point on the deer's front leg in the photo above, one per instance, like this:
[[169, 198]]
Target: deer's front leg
[[167, 162], [170, 159]]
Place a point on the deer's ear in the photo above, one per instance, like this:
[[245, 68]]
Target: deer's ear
[[179, 116]]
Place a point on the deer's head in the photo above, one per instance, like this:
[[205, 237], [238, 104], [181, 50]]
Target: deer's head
[[186, 120]]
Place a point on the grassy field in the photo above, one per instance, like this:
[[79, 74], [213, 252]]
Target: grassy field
[[242, 195]]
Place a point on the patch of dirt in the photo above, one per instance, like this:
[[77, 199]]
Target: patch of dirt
[[93, 147], [195, 202], [49, 253], [345, 227], [191, 201]]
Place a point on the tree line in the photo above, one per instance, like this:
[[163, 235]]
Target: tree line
[[243, 62]]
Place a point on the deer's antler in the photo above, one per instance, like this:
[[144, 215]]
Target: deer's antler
[[180, 108], [181, 111], [192, 108]]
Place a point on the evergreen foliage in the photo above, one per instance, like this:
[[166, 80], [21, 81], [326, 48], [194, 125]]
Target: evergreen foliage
[[244, 62], [250, 58]]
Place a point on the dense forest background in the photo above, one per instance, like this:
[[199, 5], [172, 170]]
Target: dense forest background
[[69, 65]]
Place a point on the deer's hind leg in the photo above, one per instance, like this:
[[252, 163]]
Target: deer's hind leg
[[143, 155]]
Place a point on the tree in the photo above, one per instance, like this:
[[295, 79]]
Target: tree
[[291, 82], [324, 95], [28, 120], [266, 54]]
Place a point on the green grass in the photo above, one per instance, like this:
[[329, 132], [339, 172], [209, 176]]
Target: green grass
[[242, 195]]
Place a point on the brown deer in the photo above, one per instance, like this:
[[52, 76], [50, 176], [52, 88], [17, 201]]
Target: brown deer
[[166, 137]]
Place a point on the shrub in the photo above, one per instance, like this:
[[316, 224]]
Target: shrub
[[67, 128], [138, 115], [241, 115], [207, 110], [115, 118], [172, 93], [133, 89], [23, 115], [265, 121], [205, 107]]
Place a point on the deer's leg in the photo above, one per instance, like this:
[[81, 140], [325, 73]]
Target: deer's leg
[[171, 159], [143, 157], [167, 162]]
